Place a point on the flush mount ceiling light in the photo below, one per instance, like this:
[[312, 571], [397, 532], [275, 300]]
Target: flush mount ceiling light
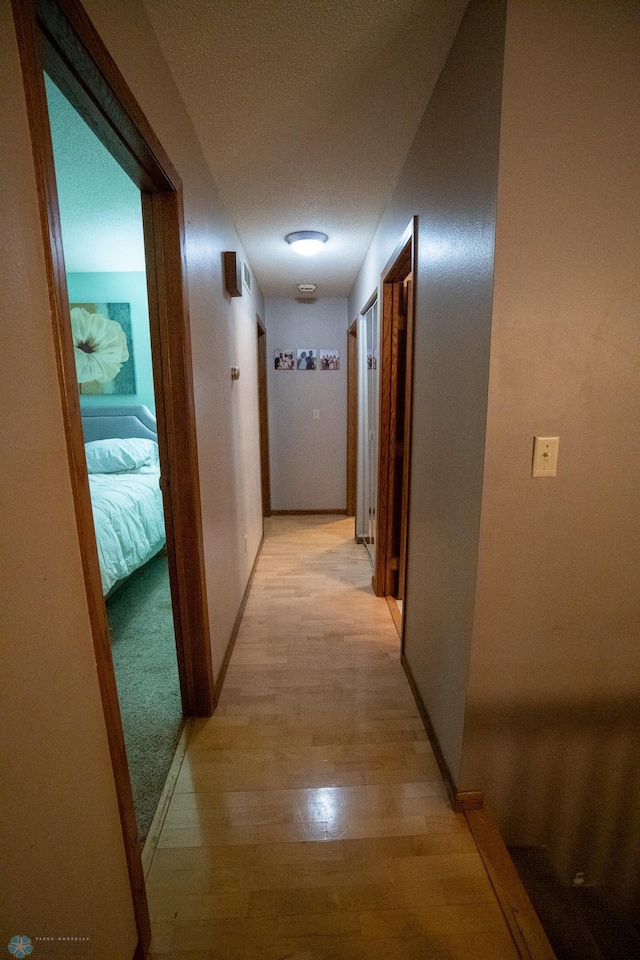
[[306, 287], [306, 242]]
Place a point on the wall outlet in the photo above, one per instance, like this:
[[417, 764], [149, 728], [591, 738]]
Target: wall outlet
[[316, 414]]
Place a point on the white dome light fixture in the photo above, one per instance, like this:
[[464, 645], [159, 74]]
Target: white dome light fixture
[[306, 242]]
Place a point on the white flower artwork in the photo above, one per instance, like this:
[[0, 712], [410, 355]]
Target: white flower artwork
[[99, 345]]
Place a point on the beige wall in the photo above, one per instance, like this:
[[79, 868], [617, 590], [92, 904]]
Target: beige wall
[[538, 656], [554, 695], [449, 181], [308, 457], [65, 871]]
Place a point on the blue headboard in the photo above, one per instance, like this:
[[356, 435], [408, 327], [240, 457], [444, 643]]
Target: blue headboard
[[128, 420]]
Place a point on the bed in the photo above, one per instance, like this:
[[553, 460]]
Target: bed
[[121, 444]]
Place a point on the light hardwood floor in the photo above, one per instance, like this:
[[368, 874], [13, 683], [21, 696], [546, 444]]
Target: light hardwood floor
[[309, 819]]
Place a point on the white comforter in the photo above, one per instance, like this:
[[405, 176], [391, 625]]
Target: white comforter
[[129, 521]]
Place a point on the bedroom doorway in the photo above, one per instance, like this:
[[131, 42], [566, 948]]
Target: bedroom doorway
[[57, 37], [104, 255], [368, 391]]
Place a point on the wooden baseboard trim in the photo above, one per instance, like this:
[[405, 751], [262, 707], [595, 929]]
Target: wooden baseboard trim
[[461, 800], [309, 513], [525, 927], [396, 616], [236, 627], [151, 843], [465, 800]]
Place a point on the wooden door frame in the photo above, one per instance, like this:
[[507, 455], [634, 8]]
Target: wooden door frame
[[400, 265], [58, 35], [406, 466], [352, 418], [263, 414]]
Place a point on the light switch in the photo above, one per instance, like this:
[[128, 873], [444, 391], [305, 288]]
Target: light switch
[[316, 414], [545, 456]]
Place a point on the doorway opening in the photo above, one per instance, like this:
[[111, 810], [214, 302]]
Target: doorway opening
[[368, 420], [104, 253], [396, 352], [57, 37]]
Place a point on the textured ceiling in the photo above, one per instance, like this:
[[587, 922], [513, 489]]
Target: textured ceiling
[[305, 110], [100, 207]]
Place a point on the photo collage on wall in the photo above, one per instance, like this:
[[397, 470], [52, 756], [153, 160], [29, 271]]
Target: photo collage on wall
[[306, 359]]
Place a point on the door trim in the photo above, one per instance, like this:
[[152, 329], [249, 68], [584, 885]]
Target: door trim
[[59, 35], [352, 418], [400, 265], [263, 415]]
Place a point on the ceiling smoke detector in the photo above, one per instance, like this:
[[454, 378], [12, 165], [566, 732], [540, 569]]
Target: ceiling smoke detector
[[306, 287]]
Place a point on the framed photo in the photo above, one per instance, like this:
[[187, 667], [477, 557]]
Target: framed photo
[[103, 348], [306, 359], [283, 359], [329, 359]]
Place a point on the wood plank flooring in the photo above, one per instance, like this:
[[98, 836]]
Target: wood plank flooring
[[309, 821]]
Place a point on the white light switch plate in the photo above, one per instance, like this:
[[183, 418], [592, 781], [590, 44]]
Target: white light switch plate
[[545, 456]]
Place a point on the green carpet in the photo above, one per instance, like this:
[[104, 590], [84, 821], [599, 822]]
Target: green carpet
[[146, 668]]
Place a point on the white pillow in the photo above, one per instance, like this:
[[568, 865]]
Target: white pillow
[[120, 456]]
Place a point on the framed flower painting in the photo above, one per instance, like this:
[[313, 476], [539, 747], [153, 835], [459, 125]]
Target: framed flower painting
[[103, 348]]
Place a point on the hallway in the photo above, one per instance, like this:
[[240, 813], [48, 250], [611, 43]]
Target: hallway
[[309, 819]]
